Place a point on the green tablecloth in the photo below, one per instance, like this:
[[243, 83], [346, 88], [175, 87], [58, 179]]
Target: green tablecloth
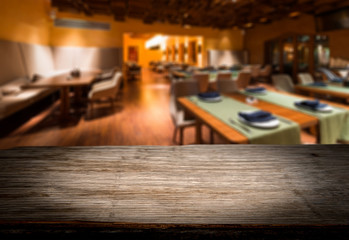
[[285, 133], [333, 126], [331, 87], [212, 75]]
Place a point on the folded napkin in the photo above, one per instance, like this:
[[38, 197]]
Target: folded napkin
[[318, 84], [209, 95], [313, 104], [257, 116], [255, 89], [336, 80]]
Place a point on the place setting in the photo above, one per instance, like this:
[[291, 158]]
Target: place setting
[[255, 118], [314, 105], [256, 90], [210, 97], [318, 84], [208, 92]]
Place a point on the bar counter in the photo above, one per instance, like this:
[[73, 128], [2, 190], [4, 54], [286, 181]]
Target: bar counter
[[161, 192]]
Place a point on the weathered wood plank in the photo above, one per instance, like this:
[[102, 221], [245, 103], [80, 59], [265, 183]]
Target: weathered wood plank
[[214, 184]]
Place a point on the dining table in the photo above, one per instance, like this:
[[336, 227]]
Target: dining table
[[328, 89], [333, 125], [64, 82], [222, 118], [212, 74]]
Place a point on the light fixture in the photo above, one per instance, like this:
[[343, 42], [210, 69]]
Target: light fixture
[[248, 25], [263, 20], [155, 41], [294, 14], [53, 14]]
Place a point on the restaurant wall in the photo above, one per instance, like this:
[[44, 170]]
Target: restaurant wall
[[339, 43], [23, 21], [225, 40], [216, 39], [256, 37], [144, 55], [30, 22], [305, 24]]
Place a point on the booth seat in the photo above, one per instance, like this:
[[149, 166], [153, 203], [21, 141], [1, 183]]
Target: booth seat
[[14, 96], [21, 62]]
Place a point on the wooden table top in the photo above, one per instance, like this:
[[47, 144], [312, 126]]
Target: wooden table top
[[202, 184], [226, 131], [322, 91], [235, 136], [64, 80]]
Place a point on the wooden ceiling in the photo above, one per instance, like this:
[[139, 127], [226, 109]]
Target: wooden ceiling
[[221, 14]]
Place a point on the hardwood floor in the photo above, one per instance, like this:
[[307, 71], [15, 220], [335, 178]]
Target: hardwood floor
[[140, 117]]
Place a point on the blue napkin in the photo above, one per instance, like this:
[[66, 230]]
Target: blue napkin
[[336, 80], [318, 84], [257, 116], [255, 89], [312, 104], [209, 95]]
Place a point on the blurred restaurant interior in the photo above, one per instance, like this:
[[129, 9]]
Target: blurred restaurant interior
[[174, 119], [87, 73]]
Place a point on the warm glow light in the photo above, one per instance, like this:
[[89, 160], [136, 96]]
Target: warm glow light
[[155, 41], [248, 25], [294, 14], [263, 20]]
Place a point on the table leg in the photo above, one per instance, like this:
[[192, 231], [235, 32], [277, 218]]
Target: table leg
[[198, 132], [65, 104], [78, 94]]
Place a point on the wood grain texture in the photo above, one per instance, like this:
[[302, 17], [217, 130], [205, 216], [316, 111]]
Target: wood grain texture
[[204, 184]]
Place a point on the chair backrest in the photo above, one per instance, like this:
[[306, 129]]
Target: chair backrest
[[226, 85], [109, 88], [255, 69], [243, 79], [305, 78], [283, 82], [223, 67], [224, 75], [184, 88], [202, 80], [180, 89], [266, 71]]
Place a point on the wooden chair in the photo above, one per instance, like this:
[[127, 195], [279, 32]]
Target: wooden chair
[[255, 69], [243, 80], [226, 85], [107, 89], [224, 75], [265, 73], [283, 82], [305, 78], [203, 81], [179, 119]]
